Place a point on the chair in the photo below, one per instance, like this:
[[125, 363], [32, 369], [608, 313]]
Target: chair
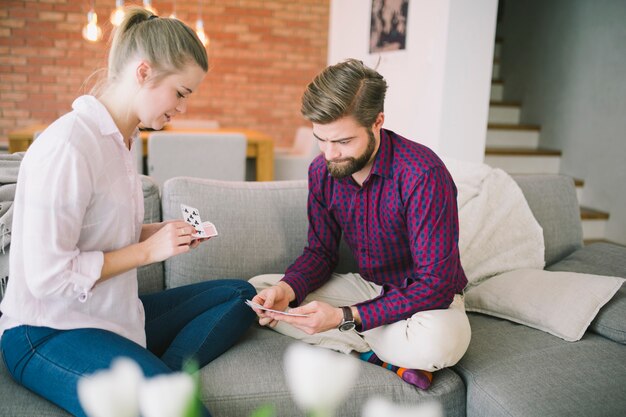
[[193, 124], [220, 156], [293, 163]]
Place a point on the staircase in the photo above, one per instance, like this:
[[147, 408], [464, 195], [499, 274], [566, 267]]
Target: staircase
[[515, 148]]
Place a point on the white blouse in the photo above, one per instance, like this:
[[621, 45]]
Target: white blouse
[[78, 195]]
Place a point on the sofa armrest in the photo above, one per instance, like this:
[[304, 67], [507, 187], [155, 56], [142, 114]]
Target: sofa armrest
[[552, 199]]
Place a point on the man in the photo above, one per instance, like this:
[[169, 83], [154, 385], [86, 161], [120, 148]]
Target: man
[[394, 202]]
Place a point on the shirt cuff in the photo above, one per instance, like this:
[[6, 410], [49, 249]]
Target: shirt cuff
[[298, 287], [86, 270]]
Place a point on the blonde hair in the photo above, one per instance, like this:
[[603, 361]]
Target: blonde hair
[[168, 44], [346, 89]]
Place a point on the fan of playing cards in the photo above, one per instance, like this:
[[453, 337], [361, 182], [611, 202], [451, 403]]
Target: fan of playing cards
[[203, 229]]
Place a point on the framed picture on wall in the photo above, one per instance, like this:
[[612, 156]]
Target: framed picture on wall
[[388, 25]]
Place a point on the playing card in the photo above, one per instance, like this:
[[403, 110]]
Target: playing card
[[260, 307], [191, 215], [209, 229]]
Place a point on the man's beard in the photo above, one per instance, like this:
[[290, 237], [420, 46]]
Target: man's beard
[[349, 166]]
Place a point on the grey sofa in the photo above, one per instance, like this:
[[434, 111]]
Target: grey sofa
[[509, 370]]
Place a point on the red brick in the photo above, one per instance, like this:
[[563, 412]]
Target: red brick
[[261, 50]]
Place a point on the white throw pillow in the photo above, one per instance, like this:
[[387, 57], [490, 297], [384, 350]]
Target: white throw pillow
[[560, 303]]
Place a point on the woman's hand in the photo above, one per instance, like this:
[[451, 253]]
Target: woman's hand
[[171, 239], [149, 229]]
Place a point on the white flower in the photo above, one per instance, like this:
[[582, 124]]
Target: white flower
[[319, 378], [377, 407], [112, 393], [167, 395]]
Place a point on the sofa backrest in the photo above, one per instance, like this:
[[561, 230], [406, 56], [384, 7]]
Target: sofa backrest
[[552, 199], [263, 225], [262, 228], [151, 277]]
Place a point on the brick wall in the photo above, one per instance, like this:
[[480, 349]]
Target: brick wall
[[262, 55]]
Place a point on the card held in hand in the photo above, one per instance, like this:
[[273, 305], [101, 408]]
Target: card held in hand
[[191, 215]]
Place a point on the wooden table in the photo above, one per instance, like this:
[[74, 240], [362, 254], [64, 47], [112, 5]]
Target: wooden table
[[260, 146]]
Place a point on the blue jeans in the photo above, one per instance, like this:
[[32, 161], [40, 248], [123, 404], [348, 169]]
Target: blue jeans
[[198, 321]]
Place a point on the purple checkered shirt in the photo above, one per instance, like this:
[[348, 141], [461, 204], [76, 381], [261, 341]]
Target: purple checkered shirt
[[401, 226]]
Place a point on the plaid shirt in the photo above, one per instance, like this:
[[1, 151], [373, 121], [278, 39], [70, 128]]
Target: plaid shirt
[[401, 226]]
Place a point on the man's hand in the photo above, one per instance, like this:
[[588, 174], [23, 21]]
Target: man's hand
[[320, 317], [277, 297]]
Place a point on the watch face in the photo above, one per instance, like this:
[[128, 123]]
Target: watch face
[[349, 325]]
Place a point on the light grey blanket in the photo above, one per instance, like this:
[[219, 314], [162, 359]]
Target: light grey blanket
[[9, 168]]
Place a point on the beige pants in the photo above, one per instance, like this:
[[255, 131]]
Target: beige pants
[[428, 340]]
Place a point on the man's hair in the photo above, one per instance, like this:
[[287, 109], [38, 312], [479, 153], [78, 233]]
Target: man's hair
[[345, 89]]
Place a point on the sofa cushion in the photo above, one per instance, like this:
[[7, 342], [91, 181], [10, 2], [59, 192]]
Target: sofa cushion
[[558, 215], [513, 370], [17, 401], [603, 259], [259, 380], [262, 228], [560, 303], [150, 277]]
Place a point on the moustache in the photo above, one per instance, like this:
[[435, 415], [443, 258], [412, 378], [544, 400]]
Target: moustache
[[338, 161]]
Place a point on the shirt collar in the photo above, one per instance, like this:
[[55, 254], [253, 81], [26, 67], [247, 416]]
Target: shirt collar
[[98, 112], [383, 166]]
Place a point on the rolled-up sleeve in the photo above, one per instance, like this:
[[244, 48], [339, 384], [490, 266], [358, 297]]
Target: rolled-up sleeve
[[52, 222]]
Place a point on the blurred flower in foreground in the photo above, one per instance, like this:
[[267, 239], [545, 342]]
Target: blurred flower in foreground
[[379, 407], [318, 378], [122, 391], [112, 392], [169, 395]]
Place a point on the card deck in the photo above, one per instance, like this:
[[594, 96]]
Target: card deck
[[191, 215], [260, 307]]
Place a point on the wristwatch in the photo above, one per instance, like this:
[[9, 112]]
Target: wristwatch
[[348, 320]]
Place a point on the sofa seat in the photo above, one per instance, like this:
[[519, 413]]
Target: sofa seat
[[514, 370], [251, 374], [17, 401]]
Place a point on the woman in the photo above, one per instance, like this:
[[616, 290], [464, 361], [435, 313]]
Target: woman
[[72, 303]]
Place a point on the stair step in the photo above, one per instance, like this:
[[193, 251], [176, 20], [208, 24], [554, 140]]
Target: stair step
[[540, 152], [588, 213], [505, 103], [512, 139], [579, 188], [591, 241], [497, 90], [512, 136], [524, 161], [495, 69], [594, 223], [504, 114], [497, 50], [513, 126]]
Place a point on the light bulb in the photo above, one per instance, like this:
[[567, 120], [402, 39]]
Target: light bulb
[[200, 32], [91, 31], [173, 15], [117, 15], [147, 4]]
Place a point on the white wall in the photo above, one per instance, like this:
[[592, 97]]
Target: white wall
[[565, 60], [439, 85]]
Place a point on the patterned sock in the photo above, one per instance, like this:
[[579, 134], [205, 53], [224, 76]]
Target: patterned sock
[[417, 377]]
